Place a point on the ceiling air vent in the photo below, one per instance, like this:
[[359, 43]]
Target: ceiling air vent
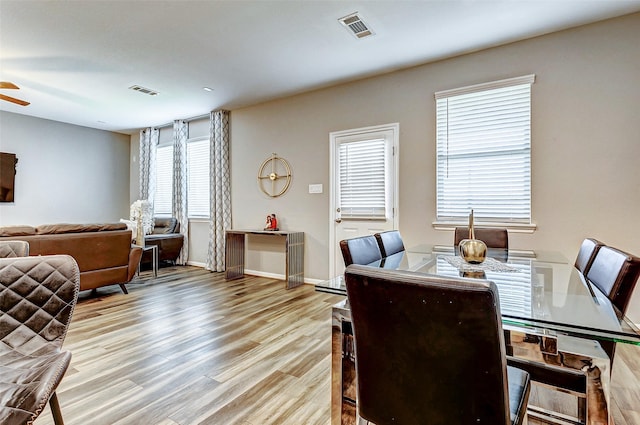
[[356, 25], [144, 90]]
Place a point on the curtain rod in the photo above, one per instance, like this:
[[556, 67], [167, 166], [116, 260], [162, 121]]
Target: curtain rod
[[197, 117]]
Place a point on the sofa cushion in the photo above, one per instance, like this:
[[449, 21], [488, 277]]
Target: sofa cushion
[[17, 231], [49, 229]]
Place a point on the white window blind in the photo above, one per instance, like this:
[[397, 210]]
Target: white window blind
[[198, 190], [164, 181], [362, 179], [484, 152]]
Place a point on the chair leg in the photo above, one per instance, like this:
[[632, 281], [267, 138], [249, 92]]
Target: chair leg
[[124, 288], [55, 409]]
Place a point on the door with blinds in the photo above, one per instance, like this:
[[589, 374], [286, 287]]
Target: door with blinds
[[363, 184]]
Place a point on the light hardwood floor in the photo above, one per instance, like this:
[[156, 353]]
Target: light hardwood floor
[[190, 348]]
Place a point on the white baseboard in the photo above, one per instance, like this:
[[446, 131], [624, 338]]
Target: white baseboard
[[278, 276], [196, 263], [260, 273]]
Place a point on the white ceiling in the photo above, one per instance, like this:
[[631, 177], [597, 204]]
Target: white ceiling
[[74, 60]]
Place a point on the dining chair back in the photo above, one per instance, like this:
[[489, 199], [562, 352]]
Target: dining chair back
[[14, 249], [587, 253], [430, 349], [360, 250], [38, 296], [493, 237], [390, 242], [615, 273]]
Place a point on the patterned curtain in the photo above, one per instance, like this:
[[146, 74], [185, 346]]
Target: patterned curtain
[[148, 143], [220, 187], [180, 180]]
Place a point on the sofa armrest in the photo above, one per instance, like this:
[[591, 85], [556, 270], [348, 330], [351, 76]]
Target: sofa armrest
[[134, 261]]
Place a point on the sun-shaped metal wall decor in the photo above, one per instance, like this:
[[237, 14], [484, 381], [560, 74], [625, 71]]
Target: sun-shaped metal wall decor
[[274, 176]]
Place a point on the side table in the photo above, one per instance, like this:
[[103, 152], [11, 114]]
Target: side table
[[154, 256]]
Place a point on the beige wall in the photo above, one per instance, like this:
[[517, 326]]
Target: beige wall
[[65, 173], [585, 146]]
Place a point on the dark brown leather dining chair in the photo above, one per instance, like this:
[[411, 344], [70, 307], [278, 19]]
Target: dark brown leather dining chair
[[493, 237], [430, 350], [390, 242], [37, 299], [615, 273], [361, 250], [14, 249], [587, 253]]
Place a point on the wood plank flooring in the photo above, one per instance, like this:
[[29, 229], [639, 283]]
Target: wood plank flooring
[[190, 348]]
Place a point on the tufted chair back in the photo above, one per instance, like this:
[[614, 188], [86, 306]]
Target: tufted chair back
[[37, 299], [14, 249]]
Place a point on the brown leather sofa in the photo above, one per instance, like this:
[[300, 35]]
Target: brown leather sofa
[[103, 252], [167, 238]]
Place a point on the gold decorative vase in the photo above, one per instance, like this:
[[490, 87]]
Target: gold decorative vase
[[474, 274], [472, 250]]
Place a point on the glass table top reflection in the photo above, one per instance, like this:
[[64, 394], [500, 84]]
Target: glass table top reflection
[[537, 289]]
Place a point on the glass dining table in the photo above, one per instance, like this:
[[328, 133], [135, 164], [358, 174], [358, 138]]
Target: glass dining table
[[550, 314]]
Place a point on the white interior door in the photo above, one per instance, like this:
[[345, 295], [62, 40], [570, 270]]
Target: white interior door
[[364, 188]]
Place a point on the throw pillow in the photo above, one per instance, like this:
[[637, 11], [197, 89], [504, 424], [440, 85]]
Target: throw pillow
[[131, 225]]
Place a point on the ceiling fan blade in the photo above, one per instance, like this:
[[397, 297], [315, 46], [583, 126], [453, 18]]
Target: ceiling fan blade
[[7, 85], [14, 100]]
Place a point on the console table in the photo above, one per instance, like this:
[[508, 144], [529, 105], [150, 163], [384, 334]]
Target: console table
[[294, 253]]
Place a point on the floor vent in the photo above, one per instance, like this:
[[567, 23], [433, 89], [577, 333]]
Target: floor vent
[[356, 25], [144, 90]]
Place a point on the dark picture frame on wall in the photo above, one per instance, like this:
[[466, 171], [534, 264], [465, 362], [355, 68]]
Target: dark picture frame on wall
[[8, 163]]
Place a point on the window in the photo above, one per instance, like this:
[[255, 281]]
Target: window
[[484, 152], [164, 181], [197, 175], [198, 189], [362, 179]]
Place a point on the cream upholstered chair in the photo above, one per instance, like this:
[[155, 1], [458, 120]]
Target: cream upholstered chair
[[14, 249], [37, 299], [430, 350]]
